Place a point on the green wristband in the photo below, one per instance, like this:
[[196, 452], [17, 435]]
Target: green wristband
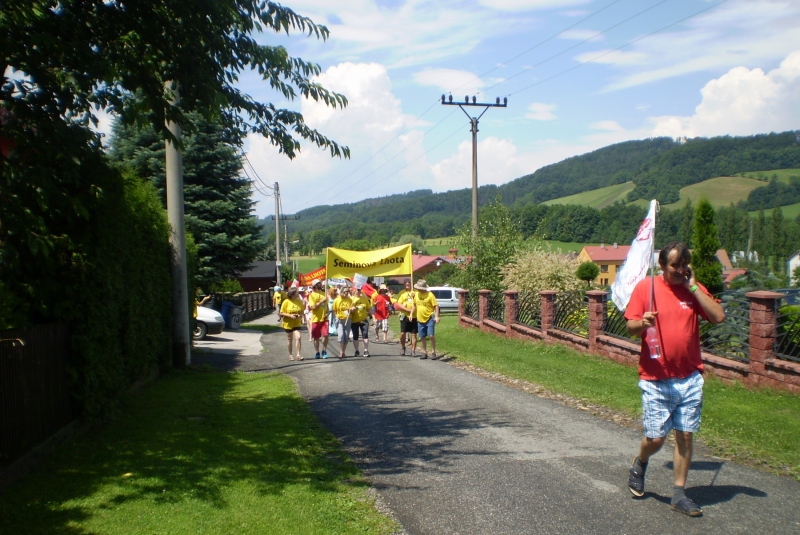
[[694, 288]]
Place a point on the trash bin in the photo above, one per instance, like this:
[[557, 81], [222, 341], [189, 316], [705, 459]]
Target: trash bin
[[235, 318], [226, 312]]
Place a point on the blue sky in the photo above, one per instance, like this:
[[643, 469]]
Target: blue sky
[[578, 75]]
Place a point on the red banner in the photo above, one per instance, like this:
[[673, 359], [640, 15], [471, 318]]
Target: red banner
[[305, 280]]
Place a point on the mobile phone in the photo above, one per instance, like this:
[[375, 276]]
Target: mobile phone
[[688, 272]]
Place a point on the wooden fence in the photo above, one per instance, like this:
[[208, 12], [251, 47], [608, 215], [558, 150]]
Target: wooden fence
[[35, 401]]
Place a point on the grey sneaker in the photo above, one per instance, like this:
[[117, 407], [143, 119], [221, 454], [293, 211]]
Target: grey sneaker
[[366, 353], [357, 354]]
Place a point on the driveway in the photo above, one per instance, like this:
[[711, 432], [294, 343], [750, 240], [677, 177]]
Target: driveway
[[449, 451]]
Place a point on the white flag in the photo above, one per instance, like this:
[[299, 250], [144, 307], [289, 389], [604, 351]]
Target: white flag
[[637, 262]]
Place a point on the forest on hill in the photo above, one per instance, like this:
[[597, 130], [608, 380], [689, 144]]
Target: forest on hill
[[659, 167]]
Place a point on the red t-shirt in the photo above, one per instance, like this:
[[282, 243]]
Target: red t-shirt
[[382, 307], [677, 325]]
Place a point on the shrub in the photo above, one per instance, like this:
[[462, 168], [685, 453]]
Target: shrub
[[538, 269]]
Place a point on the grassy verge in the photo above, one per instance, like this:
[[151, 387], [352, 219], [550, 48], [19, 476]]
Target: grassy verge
[[261, 327], [754, 426], [200, 452]]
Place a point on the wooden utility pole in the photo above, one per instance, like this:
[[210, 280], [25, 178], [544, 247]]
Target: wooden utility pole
[[181, 345], [473, 121]]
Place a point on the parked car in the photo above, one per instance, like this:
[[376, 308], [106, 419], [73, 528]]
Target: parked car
[[446, 296], [209, 321]]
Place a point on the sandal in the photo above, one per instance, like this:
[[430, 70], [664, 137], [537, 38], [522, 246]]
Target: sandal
[[291, 358], [687, 507], [636, 481], [299, 357]]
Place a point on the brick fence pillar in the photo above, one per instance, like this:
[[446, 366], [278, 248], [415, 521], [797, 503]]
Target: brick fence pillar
[[483, 305], [511, 309], [548, 298], [763, 308], [462, 302], [597, 316]]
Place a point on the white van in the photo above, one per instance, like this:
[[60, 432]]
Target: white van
[[446, 296]]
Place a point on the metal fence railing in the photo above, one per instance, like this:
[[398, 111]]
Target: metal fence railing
[[787, 342], [572, 313], [497, 307], [472, 309], [529, 309], [731, 338], [616, 325]]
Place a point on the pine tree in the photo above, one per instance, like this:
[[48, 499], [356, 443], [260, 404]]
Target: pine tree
[[217, 198], [707, 268]]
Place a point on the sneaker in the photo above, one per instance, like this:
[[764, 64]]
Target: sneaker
[[316, 355], [434, 357], [366, 353], [636, 480], [423, 357], [324, 354], [357, 354], [403, 353]]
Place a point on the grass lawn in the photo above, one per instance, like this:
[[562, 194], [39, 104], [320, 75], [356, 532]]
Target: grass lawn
[[199, 451], [755, 426]]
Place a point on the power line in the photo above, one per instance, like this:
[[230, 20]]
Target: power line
[[618, 48]]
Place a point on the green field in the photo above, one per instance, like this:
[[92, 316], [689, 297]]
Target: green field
[[720, 191], [598, 198]]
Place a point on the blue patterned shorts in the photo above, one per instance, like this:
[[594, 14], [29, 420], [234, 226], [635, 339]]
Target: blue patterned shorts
[[672, 404]]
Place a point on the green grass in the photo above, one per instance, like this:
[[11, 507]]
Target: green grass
[[720, 191], [199, 452], [790, 211], [757, 426], [307, 264], [599, 198]]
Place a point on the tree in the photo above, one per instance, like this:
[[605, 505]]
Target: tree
[[687, 224], [69, 58], [588, 271], [494, 247], [217, 198], [538, 269], [707, 268], [417, 244]]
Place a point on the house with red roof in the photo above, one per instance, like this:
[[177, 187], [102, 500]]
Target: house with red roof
[[609, 258]]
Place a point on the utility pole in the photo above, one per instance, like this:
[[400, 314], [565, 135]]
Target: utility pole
[[181, 346], [277, 234], [474, 129]]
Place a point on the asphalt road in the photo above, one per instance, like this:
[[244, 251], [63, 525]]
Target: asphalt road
[[452, 452]]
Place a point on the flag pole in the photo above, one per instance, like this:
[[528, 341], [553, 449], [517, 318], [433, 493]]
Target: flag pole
[[652, 259]]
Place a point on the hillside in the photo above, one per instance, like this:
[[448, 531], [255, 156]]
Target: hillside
[[633, 172]]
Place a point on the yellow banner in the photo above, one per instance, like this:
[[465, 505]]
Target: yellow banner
[[342, 263]]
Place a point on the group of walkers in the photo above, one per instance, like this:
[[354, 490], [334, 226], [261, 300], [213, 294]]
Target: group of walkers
[[346, 313]]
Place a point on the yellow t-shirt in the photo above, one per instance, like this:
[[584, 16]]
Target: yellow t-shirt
[[405, 300], [278, 298], [426, 305], [318, 315], [361, 312], [341, 305], [292, 306]]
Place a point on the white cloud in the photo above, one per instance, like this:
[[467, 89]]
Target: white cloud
[[742, 102], [738, 32], [381, 139], [448, 80], [528, 5], [539, 111], [610, 126]]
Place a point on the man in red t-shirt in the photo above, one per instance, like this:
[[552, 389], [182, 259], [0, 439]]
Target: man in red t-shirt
[[670, 379]]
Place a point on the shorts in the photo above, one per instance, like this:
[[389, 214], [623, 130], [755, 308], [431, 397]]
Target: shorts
[[361, 328], [672, 404], [427, 328], [382, 324], [343, 329], [293, 329], [319, 329], [408, 325]]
